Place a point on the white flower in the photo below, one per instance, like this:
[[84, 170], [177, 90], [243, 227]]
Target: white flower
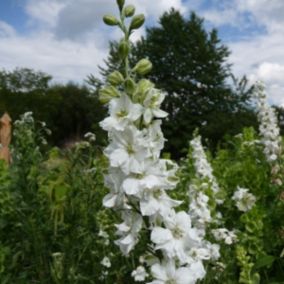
[[177, 237], [106, 262], [222, 234], [199, 208], [167, 273], [153, 175], [122, 111], [214, 250], [116, 198], [127, 150], [156, 201], [129, 230], [244, 200], [155, 138], [152, 103], [90, 136], [139, 274]]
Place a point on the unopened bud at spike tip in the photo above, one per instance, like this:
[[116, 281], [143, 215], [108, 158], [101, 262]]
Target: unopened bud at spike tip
[[129, 11], [110, 20], [137, 21], [120, 4]]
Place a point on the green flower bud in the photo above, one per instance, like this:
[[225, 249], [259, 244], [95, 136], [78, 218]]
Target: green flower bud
[[123, 49], [143, 67], [108, 93], [120, 4], [110, 20], [129, 85], [129, 11], [115, 78], [137, 21], [142, 89]]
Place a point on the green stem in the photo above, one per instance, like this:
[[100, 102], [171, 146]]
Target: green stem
[[126, 38]]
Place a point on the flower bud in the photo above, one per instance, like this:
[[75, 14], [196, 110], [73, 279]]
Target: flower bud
[[142, 88], [123, 49], [115, 78], [110, 20], [108, 93], [129, 86], [129, 11], [143, 67], [120, 4], [137, 22]]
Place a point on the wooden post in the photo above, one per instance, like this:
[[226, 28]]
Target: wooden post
[[5, 137]]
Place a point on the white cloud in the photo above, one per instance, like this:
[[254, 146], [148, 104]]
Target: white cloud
[[6, 30], [44, 12], [65, 60], [261, 57], [267, 12], [67, 38]]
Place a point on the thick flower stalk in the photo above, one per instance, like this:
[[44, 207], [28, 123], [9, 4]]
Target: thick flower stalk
[[268, 128], [138, 179]]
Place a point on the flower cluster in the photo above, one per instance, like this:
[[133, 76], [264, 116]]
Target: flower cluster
[[202, 167], [222, 234], [140, 181], [244, 200], [203, 188], [268, 128]]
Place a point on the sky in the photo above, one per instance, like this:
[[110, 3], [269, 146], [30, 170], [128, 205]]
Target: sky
[[67, 39]]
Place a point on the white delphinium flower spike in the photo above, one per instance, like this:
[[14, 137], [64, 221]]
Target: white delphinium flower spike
[[268, 128], [139, 180]]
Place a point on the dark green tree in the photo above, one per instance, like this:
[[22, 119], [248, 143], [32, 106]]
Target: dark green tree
[[190, 65], [23, 80], [69, 110]]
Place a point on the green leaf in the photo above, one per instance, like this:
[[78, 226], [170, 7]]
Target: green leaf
[[264, 261]]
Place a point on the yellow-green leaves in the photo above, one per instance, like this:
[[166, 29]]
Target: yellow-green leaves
[[115, 78], [137, 22], [110, 20], [143, 67], [129, 11]]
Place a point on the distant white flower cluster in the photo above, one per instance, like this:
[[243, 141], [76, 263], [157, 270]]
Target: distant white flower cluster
[[244, 200], [268, 128], [203, 187], [139, 182], [202, 167], [27, 117]]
